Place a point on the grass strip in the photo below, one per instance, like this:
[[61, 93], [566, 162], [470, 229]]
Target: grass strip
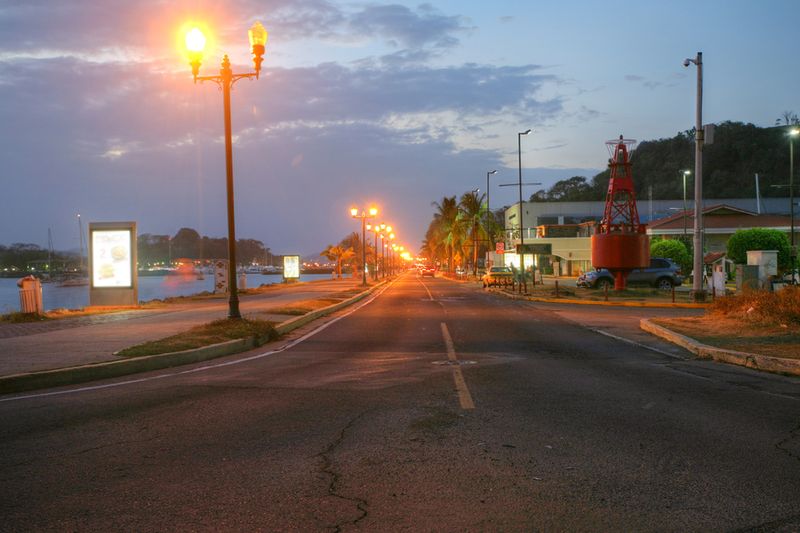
[[730, 333], [215, 332], [303, 307], [20, 318]]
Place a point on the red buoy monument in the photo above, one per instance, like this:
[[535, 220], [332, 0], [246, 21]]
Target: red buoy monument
[[621, 242]]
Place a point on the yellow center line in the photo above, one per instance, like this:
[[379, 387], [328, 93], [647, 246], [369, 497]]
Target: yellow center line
[[464, 397]]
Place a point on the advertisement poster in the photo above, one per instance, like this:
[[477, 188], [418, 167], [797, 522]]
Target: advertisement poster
[[291, 267], [220, 276], [111, 258]]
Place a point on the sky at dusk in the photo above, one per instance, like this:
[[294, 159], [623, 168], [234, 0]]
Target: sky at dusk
[[395, 104]]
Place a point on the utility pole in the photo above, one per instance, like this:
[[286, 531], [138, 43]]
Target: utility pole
[[698, 291]]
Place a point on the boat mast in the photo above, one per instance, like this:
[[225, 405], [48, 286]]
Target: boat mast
[[80, 234]]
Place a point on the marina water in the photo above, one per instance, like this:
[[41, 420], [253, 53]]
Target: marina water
[[150, 288]]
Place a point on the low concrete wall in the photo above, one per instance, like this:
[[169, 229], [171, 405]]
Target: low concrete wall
[[766, 363]]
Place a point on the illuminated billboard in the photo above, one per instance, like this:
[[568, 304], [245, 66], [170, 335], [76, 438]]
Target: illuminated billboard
[[113, 278], [291, 267], [112, 260]]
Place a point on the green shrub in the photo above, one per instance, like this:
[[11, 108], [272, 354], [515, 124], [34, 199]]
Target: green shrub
[[745, 240], [672, 249]]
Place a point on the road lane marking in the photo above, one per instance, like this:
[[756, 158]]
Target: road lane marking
[[464, 397], [291, 344], [426, 289]]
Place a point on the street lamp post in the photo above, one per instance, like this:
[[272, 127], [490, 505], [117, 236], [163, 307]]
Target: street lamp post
[[376, 230], [391, 237], [698, 292], [488, 209], [794, 132], [195, 43], [684, 173], [363, 216], [521, 210]]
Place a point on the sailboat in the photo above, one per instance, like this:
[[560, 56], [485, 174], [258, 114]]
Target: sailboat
[[81, 279]]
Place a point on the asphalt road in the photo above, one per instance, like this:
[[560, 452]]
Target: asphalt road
[[433, 407]]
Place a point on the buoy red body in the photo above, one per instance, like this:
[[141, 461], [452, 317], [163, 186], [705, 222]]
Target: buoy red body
[[621, 242]]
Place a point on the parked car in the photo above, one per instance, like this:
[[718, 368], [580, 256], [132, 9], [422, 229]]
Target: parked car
[[663, 273], [498, 275]]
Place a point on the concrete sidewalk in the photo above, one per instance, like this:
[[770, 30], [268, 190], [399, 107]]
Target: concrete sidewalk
[[61, 343]]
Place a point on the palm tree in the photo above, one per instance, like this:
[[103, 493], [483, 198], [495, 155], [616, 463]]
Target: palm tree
[[339, 254], [473, 217], [353, 243], [448, 229]]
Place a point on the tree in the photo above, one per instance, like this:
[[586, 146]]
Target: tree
[[745, 240], [473, 217], [353, 243], [448, 229], [788, 118], [186, 243], [339, 255], [672, 249]]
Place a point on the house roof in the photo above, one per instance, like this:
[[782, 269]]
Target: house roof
[[713, 257], [721, 216]]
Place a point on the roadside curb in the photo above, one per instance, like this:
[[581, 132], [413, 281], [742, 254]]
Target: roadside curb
[[606, 304], [113, 369], [766, 363]]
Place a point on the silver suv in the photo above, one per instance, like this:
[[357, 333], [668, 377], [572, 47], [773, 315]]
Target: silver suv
[[663, 273]]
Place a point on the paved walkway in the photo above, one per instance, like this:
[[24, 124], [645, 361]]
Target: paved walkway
[[83, 340]]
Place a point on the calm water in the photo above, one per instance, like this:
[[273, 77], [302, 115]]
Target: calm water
[[150, 287]]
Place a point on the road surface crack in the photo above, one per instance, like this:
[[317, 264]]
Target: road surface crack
[[335, 477], [783, 445]]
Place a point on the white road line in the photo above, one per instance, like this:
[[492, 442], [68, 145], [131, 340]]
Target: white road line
[[206, 367], [426, 288], [464, 397]]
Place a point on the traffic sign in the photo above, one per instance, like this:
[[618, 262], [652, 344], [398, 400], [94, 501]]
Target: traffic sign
[[500, 248]]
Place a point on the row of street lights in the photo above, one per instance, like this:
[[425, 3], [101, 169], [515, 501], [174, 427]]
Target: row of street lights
[[519, 184], [388, 249]]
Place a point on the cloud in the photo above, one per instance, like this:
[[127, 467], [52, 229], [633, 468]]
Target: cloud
[[119, 134], [405, 28], [650, 84]]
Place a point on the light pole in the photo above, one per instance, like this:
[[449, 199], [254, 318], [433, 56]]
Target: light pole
[[684, 173], [794, 132], [376, 230], [698, 292], [363, 216], [521, 209], [195, 42], [488, 209], [391, 237]]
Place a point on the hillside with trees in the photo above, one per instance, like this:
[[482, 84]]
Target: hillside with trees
[[152, 249], [739, 152]]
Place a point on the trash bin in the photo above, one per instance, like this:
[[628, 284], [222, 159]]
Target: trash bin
[[242, 281], [30, 295]]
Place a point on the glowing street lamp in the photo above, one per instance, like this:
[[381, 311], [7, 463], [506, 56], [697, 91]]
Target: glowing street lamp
[[684, 173], [794, 132], [195, 44], [373, 211]]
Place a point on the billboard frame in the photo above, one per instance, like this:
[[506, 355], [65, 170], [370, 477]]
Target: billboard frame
[[124, 295]]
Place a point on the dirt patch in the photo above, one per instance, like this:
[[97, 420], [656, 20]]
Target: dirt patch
[[732, 333]]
